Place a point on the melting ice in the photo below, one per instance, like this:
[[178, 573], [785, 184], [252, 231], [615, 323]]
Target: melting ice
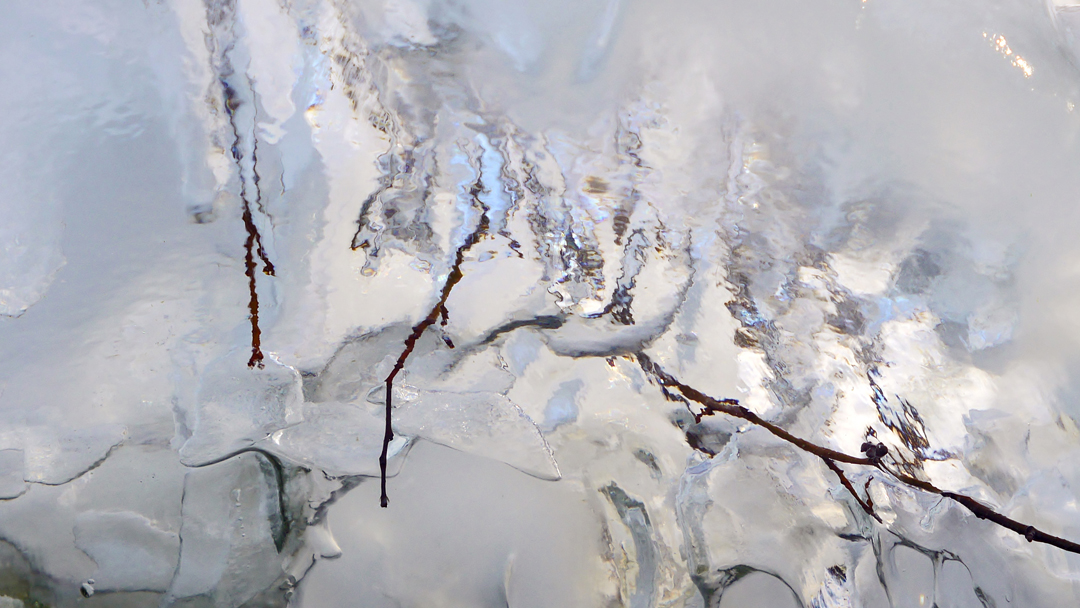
[[224, 218]]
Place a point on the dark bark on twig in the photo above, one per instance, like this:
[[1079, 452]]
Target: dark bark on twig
[[253, 245], [1031, 533], [731, 407], [253, 296], [865, 504], [437, 311]]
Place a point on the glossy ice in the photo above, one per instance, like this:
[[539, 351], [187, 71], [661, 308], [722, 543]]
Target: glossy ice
[[223, 219]]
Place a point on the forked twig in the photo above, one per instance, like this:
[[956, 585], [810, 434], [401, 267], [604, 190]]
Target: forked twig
[[437, 311], [731, 407], [867, 505]]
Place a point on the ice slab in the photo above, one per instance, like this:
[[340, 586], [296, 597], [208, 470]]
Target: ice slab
[[225, 222]]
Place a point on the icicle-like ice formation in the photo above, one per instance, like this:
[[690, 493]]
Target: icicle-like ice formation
[[545, 235]]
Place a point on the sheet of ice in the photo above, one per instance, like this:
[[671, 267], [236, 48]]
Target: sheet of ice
[[223, 218]]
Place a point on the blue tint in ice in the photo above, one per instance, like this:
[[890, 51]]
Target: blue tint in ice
[[223, 218]]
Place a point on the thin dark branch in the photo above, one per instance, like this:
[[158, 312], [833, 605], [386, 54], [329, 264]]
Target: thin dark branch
[[437, 311], [253, 296], [865, 504], [731, 407], [1031, 533], [268, 267], [253, 244]]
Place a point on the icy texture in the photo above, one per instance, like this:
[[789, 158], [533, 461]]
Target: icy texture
[[224, 218]]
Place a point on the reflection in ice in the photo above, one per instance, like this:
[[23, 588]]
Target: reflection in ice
[[698, 304]]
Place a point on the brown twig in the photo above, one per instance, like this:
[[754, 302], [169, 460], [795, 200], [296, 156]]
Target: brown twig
[[867, 504], [437, 311], [1031, 533], [731, 407], [253, 244], [253, 296]]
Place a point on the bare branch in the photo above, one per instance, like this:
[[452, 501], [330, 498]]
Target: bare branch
[[731, 407], [866, 505], [437, 311]]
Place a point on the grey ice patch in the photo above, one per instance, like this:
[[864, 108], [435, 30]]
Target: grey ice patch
[[634, 516], [30, 243], [482, 423], [238, 406], [228, 552], [339, 439], [55, 459], [131, 554], [12, 475]]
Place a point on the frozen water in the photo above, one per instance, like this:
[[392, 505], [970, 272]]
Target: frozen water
[[129, 551], [228, 222]]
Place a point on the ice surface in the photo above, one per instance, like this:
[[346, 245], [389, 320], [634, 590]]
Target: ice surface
[[228, 553], [129, 551], [225, 222]]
